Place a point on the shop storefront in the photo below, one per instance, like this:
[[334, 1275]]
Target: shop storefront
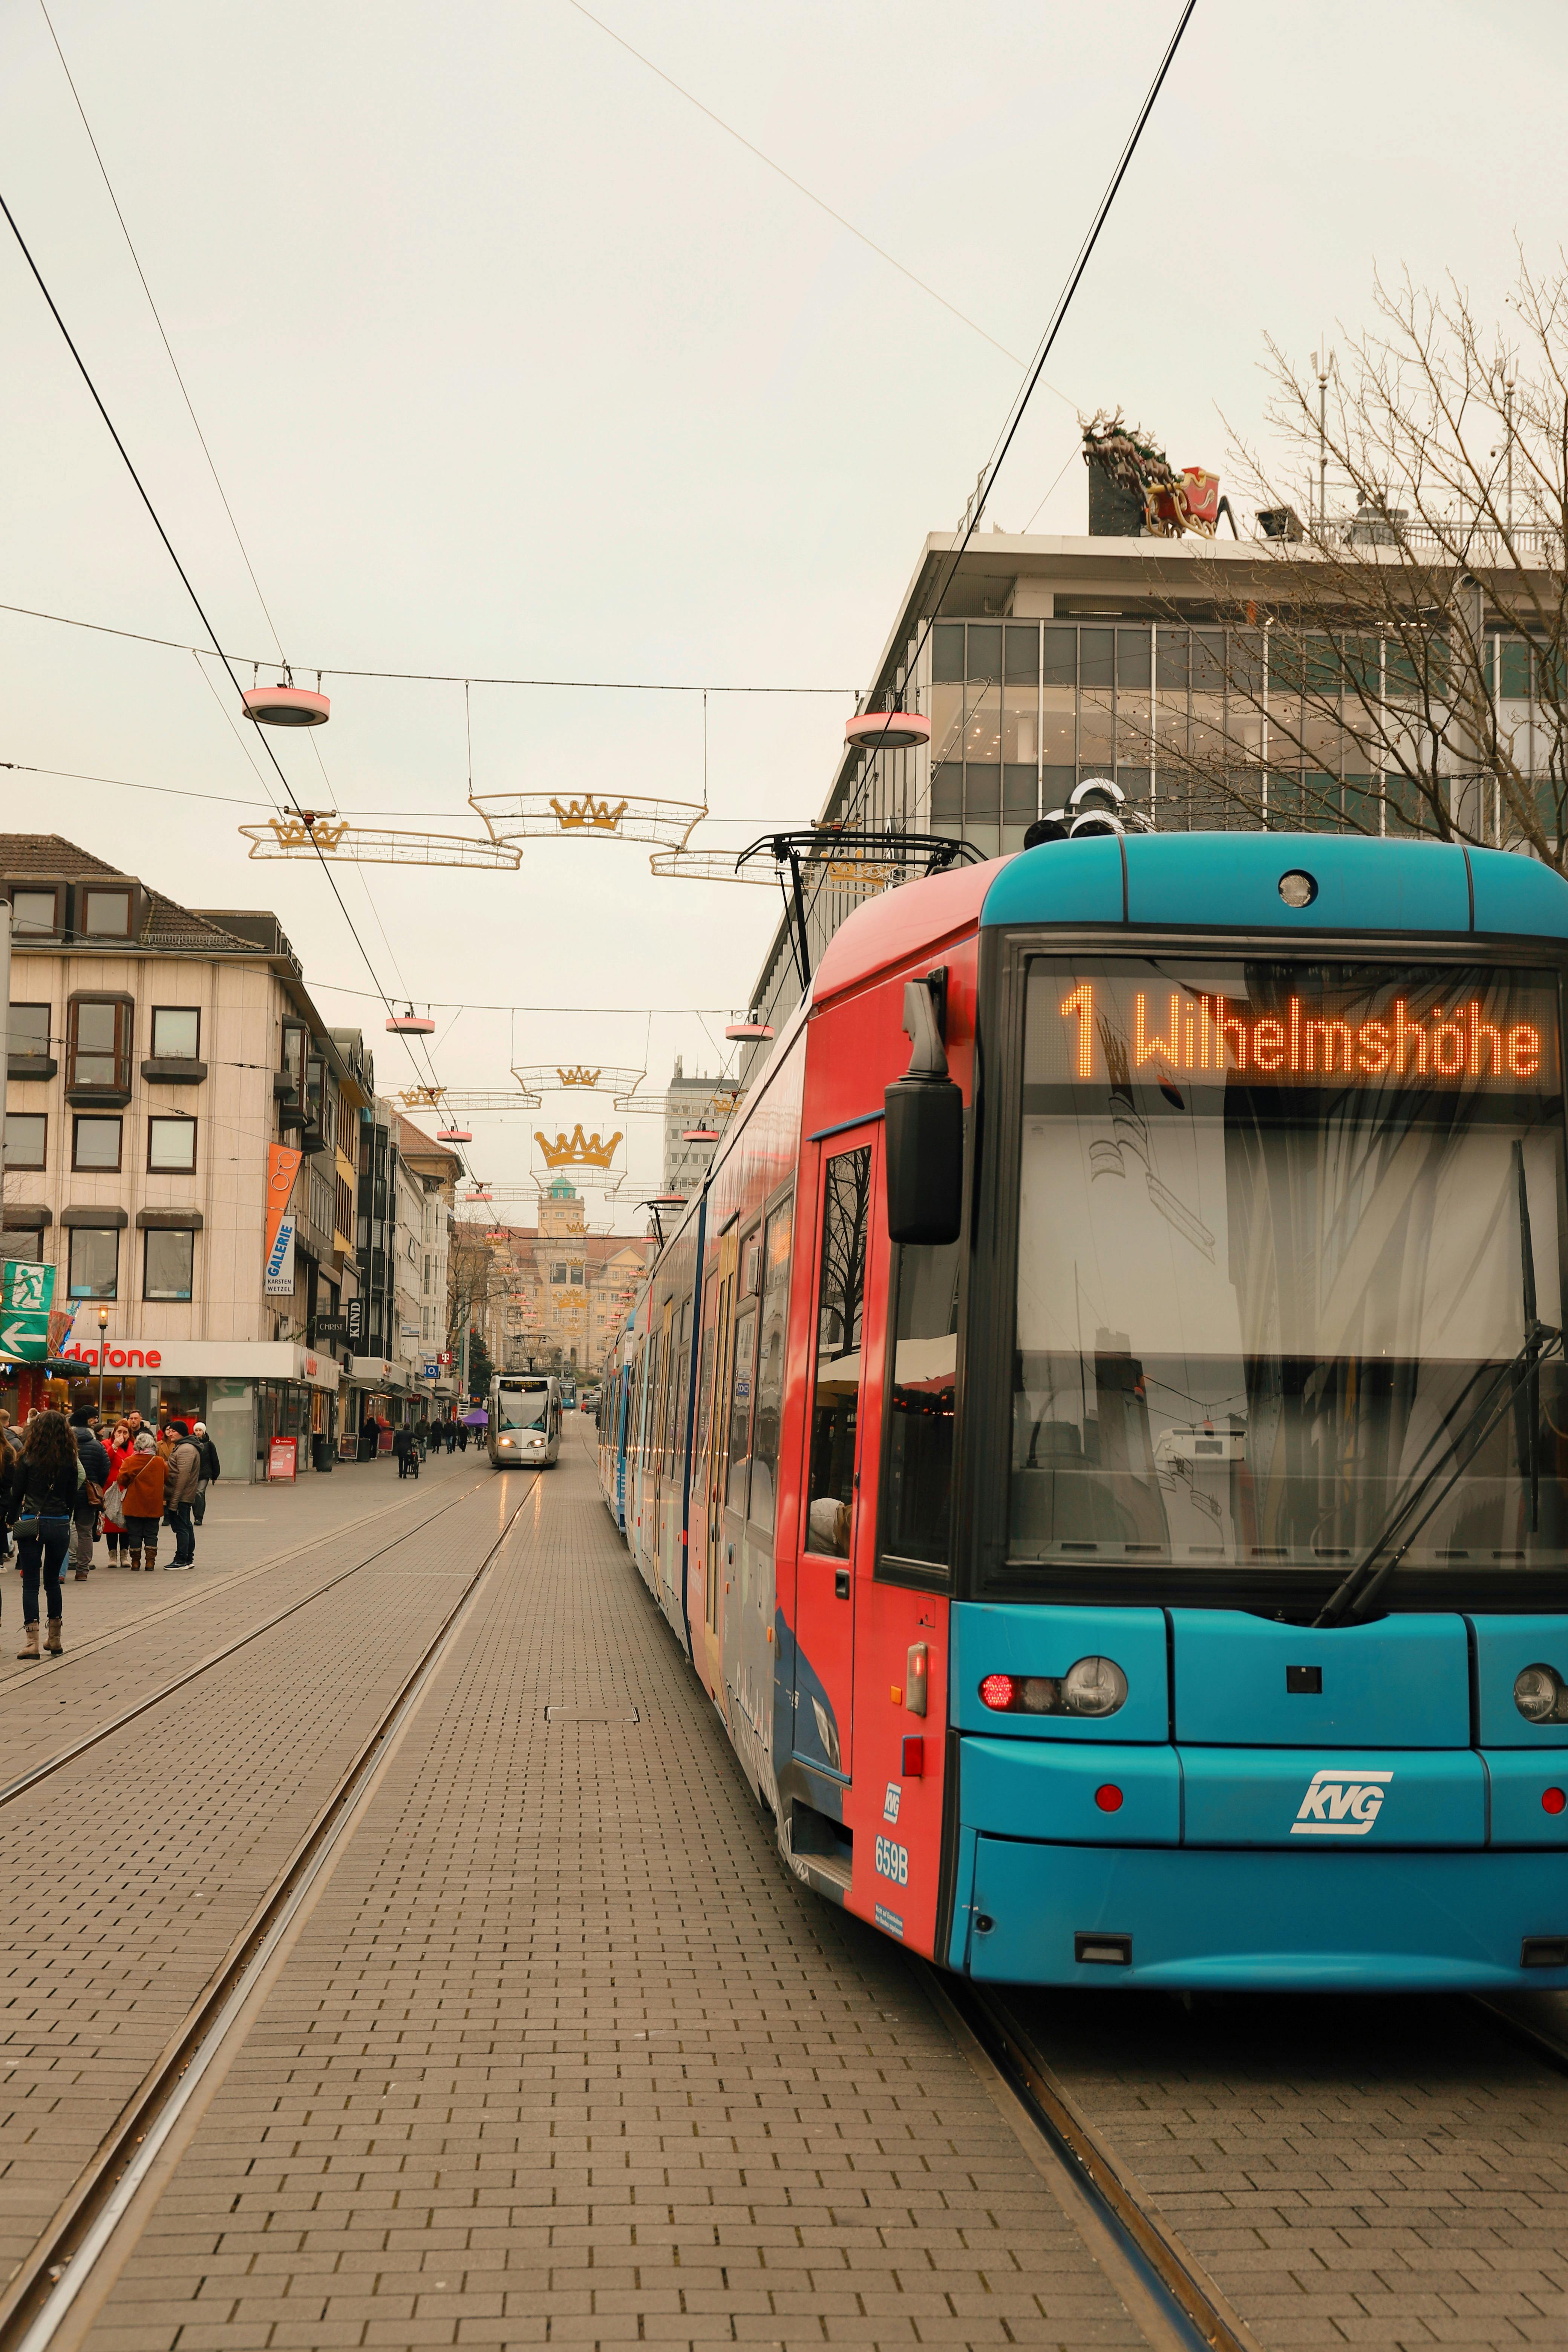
[[247, 1392], [375, 1388]]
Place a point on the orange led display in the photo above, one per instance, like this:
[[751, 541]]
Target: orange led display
[[1419, 1034]]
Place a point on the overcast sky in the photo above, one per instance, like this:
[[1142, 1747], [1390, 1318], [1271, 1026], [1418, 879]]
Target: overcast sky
[[512, 361]]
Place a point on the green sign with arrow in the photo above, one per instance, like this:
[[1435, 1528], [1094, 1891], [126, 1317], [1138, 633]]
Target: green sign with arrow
[[26, 1294]]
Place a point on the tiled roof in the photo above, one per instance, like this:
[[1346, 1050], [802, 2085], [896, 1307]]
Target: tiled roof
[[173, 927]]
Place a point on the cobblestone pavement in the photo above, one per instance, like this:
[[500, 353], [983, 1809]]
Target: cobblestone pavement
[[564, 2054], [1372, 2173], [260, 1549], [130, 1871]]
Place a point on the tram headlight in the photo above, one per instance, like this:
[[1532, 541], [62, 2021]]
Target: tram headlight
[[1093, 1686], [1540, 1696]]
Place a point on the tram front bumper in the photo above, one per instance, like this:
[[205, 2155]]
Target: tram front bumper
[[1186, 1918]]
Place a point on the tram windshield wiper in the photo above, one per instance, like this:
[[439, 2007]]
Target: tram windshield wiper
[[1515, 1383]]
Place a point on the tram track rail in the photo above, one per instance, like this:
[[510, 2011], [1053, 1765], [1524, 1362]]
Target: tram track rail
[[48, 2302], [1166, 2288], [19, 1787]]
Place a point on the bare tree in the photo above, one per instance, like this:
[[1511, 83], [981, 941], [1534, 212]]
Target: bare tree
[[1400, 665]]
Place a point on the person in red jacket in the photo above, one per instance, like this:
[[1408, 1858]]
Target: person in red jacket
[[142, 1478]]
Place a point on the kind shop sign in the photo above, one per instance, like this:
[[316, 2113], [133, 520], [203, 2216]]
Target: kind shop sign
[[282, 1167]]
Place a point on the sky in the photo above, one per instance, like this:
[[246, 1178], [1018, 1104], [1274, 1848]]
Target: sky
[[514, 362]]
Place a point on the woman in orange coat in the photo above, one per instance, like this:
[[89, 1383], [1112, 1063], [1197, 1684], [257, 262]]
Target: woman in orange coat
[[142, 1477]]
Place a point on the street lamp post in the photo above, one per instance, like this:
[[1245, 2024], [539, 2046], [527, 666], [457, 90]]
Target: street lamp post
[[102, 1327]]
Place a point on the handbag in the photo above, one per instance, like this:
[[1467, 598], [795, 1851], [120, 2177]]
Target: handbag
[[26, 1526]]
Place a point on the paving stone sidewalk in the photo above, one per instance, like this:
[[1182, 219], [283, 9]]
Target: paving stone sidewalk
[[564, 2054], [1380, 2172], [130, 1871]]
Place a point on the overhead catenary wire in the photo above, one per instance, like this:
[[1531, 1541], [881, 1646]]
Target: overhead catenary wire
[[423, 677], [1014, 418], [157, 320], [801, 189], [184, 577]]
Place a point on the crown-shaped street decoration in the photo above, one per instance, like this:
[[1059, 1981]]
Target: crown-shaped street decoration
[[593, 1077], [308, 835], [577, 1151], [632, 816], [420, 1097], [588, 812]]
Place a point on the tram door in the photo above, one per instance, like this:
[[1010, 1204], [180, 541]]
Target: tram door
[[838, 1533], [718, 1462]]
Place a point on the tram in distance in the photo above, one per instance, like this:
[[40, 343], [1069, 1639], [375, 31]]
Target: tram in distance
[[524, 1432], [1100, 1433]]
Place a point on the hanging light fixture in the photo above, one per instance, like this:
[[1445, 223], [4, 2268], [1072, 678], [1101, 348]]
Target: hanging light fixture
[[887, 730], [480, 1192], [409, 1023], [453, 1135], [286, 705], [700, 1135], [752, 1028]]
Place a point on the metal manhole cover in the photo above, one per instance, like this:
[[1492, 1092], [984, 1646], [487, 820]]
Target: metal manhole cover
[[592, 1715]]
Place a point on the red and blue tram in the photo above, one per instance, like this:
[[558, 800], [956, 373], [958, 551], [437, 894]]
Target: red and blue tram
[[1100, 1433]]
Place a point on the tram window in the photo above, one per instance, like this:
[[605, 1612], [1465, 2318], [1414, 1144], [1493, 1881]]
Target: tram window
[[1261, 1291], [741, 1409], [770, 1363], [917, 1494], [704, 1394], [682, 1387], [840, 1308]]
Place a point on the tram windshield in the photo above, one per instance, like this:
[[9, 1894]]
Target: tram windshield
[[522, 1406], [1283, 1230]]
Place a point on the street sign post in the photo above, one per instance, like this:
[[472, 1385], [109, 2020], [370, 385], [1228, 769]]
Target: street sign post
[[27, 1296]]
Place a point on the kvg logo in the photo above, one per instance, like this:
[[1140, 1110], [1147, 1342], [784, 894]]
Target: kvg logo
[[1340, 1803]]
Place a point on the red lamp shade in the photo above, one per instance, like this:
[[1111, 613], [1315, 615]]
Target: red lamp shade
[[887, 730], [748, 1029], [453, 1135], [286, 705], [410, 1024], [700, 1135], [670, 1199]]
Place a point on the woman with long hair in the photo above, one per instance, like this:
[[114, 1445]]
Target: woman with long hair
[[43, 1497]]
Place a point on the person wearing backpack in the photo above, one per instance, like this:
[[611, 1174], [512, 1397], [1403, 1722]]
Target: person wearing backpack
[[44, 1501], [211, 1470]]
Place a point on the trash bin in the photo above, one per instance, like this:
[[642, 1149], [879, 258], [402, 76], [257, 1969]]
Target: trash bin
[[322, 1456]]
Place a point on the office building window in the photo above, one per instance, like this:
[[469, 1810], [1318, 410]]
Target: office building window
[[168, 1265], [98, 1043], [26, 1138], [176, 1033], [106, 914], [28, 1249], [34, 910], [95, 1143], [172, 1147], [29, 1029], [94, 1269]]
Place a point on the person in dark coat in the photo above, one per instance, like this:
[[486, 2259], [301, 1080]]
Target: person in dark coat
[[408, 1452], [93, 1455], [45, 1494], [211, 1470], [462, 1437]]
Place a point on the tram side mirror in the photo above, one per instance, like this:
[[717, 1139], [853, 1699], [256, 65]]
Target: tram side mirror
[[924, 1146]]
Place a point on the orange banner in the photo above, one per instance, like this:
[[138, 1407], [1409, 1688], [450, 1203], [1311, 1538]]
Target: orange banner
[[282, 1167]]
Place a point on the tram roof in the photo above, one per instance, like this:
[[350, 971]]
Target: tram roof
[[1230, 881]]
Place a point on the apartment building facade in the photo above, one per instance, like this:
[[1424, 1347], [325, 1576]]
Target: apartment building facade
[[155, 1053]]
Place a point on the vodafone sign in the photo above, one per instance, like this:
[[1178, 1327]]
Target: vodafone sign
[[231, 1359]]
